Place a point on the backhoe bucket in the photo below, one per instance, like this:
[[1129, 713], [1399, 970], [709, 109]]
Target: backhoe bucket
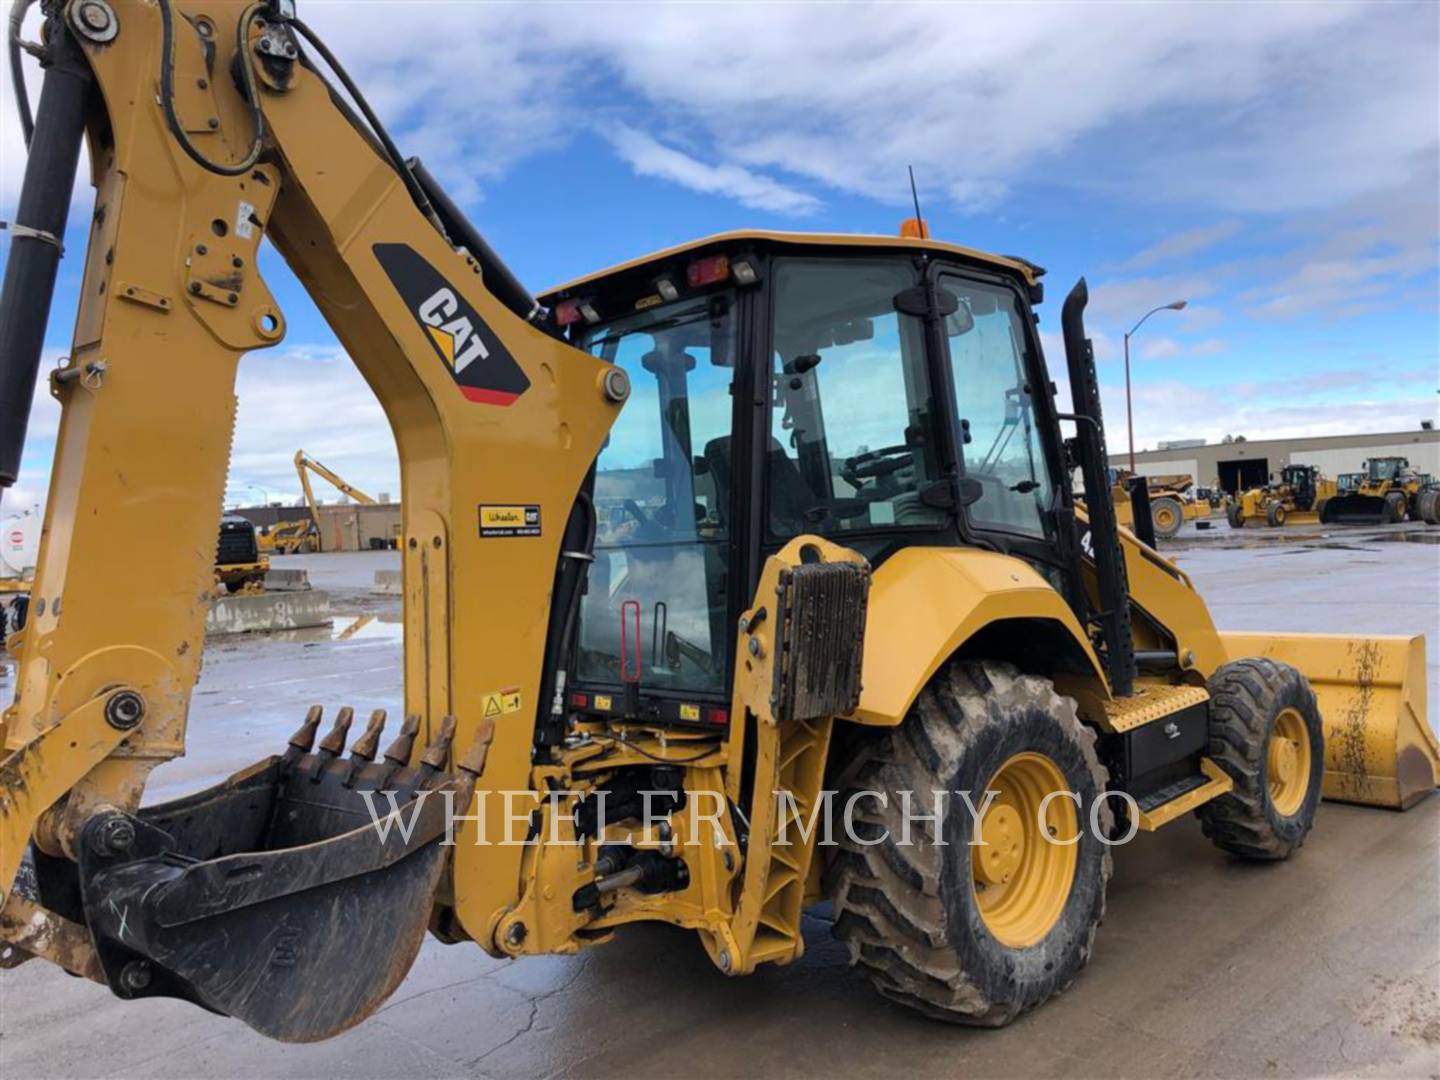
[[1354, 510], [1379, 747], [279, 896]]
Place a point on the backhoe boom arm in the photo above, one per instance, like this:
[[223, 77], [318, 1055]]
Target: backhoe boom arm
[[245, 141]]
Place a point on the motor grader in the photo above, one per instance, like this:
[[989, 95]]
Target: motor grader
[[1388, 492], [703, 555], [1297, 496]]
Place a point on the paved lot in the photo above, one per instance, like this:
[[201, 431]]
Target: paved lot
[[1328, 965]]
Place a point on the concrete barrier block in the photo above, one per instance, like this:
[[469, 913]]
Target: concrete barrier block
[[242, 614], [388, 583], [287, 580]]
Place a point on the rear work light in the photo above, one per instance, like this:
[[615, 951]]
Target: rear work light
[[707, 271]]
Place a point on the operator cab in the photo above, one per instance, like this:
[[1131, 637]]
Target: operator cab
[[785, 384]]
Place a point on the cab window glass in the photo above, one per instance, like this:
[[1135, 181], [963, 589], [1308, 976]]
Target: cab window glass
[[851, 434], [1002, 447], [662, 500]]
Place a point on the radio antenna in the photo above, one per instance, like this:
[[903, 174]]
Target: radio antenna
[[915, 196]]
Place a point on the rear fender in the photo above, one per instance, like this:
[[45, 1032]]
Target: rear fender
[[928, 603]]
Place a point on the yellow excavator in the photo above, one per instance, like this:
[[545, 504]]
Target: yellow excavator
[[297, 536], [707, 658], [304, 466]]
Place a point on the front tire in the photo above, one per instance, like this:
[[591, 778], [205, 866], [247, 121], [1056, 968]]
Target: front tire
[[975, 935], [1266, 734], [1236, 517]]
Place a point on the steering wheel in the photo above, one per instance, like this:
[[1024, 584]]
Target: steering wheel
[[874, 464]]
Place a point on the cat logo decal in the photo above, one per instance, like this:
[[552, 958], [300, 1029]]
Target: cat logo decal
[[483, 369]]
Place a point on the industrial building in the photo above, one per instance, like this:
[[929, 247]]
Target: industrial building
[[343, 526], [1245, 463]]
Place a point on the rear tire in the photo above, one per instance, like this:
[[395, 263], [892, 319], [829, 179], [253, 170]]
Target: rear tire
[[912, 915], [1428, 505], [1275, 514], [1166, 515], [1257, 707]]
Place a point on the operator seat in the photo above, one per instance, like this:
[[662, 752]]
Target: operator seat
[[790, 497]]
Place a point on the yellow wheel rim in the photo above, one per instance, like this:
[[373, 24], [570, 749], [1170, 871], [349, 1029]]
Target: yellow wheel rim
[[1287, 762], [1020, 874], [1165, 518]]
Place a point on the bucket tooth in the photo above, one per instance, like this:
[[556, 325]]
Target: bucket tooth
[[362, 753], [432, 761], [398, 752], [472, 762], [333, 744], [366, 746], [304, 738]]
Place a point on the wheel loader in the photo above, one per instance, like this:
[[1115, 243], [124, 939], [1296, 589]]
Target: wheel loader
[[1388, 491], [739, 577], [1297, 496]]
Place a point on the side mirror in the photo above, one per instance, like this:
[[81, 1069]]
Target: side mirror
[[961, 321]]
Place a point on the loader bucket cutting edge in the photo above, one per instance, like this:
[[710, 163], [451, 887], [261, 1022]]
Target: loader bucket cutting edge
[[1379, 747], [1354, 510]]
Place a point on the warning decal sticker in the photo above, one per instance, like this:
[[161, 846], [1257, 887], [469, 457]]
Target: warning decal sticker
[[510, 520], [499, 703]]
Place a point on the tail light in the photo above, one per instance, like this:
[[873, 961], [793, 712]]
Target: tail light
[[707, 271]]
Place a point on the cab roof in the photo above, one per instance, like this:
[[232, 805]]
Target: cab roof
[[1029, 271]]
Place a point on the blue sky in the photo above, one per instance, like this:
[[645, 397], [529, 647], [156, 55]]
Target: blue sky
[[1276, 165]]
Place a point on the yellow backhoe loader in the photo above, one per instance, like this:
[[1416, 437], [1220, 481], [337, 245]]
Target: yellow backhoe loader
[[706, 658], [1388, 491], [1298, 496]]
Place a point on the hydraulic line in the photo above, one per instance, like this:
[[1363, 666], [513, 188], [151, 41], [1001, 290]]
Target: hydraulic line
[[36, 237], [252, 92], [17, 74]]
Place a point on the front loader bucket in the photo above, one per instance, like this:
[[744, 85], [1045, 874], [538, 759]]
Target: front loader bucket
[[1354, 510], [273, 896], [1379, 747]]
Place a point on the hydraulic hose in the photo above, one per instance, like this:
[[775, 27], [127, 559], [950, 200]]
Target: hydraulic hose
[[36, 237], [252, 92], [17, 75]]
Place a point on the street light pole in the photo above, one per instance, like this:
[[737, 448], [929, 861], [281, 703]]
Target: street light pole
[[1174, 305]]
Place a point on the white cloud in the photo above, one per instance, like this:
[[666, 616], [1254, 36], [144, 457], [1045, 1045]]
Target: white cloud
[[1160, 348], [648, 157], [1181, 245]]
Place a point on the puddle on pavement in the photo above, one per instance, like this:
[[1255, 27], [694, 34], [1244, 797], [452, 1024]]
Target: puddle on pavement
[[368, 627]]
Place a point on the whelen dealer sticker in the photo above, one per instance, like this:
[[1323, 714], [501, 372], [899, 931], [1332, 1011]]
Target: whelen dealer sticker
[[509, 520]]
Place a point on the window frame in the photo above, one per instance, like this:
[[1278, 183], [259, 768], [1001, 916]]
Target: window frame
[[880, 538], [1048, 548], [738, 528]]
